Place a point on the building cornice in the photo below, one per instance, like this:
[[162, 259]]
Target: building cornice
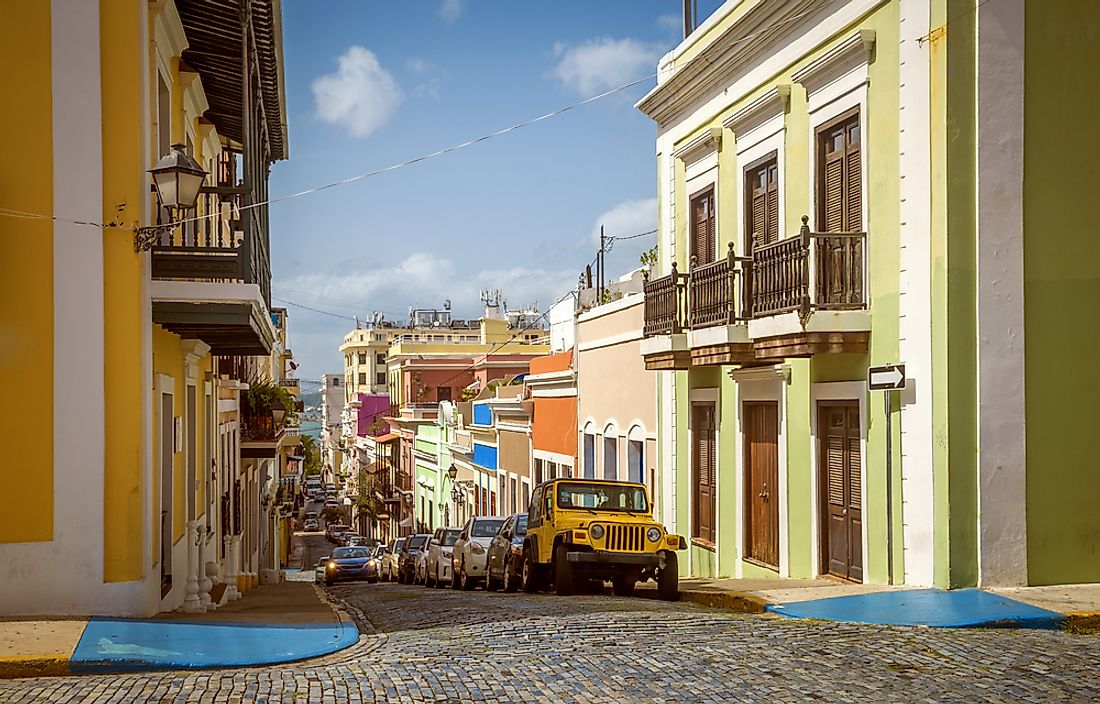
[[851, 53], [696, 148], [762, 28], [775, 102]]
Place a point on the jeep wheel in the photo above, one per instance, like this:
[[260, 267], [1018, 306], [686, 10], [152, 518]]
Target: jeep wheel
[[623, 586], [530, 579], [509, 580], [668, 580], [563, 573]]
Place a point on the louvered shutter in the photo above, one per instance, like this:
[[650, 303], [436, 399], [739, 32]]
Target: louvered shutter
[[853, 196], [834, 454], [704, 471], [702, 228], [833, 192], [771, 228]]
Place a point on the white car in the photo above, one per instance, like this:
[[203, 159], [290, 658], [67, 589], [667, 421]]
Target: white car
[[437, 567], [319, 571], [389, 560], [468, 559], [311, 525], [420, 568]]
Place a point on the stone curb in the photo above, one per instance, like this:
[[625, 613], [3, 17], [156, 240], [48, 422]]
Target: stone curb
[[739, 602], [35, 666], [1086, 621]]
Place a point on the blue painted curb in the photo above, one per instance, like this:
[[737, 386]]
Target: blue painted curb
[[131, 645], [937, 608]]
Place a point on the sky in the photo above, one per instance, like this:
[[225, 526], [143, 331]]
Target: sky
[[371, 83]]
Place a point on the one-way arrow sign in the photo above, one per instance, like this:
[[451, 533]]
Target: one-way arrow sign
[[890, 377]]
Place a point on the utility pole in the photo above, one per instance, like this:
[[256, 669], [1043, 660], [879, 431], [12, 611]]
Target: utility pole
[[600, 267]]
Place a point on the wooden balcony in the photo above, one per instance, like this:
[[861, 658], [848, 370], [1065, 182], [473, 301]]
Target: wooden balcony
[[811, 272], [665, 318]]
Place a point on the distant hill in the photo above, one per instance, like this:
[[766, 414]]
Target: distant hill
[[311, 397]]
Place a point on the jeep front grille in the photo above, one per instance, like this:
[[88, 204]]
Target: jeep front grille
[[625, 538]]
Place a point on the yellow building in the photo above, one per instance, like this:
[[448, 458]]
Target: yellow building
[[128, 346]]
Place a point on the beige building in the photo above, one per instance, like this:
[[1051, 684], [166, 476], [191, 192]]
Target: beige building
[[616, 419]]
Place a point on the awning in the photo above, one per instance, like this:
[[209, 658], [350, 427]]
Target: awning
[[386, 438], [406, 523]]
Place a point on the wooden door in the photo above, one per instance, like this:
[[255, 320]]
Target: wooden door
[[761, 446], [703, 471], [841, 484]]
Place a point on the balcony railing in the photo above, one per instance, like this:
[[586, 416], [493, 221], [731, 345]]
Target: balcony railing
[[259, 427], [665, 304], [214, 248], [713, 295], [809, 271]]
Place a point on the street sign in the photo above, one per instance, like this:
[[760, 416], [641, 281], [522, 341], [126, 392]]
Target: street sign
[[890, 377]]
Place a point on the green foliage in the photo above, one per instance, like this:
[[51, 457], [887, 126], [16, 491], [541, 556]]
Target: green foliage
[[331, 515], [648, 258], [312, 464], [264, 396]]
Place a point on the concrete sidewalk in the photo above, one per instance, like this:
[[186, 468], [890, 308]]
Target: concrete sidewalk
[[1074, 606], [270, 624]]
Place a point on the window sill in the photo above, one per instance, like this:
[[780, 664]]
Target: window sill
[[705, 544]]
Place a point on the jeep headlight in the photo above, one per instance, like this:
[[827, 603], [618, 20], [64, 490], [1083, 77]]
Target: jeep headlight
[[596, 530], [654, 534]]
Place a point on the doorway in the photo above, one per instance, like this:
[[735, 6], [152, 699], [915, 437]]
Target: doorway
[[167, 480], [840, 490], [761, 447]]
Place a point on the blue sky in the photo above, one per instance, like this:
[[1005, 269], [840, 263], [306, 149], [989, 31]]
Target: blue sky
[[373, 83]]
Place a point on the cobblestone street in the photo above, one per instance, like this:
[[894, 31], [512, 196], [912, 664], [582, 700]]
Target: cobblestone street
[[444, 646]]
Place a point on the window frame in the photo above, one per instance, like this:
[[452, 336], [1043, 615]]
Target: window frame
[[853, 114], [710, 192], [748, 186]]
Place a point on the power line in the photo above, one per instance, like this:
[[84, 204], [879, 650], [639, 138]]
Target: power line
[[315, 310], [440, 152]]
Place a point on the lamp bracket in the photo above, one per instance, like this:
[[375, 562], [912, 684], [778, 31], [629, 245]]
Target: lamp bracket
[[145, 238]]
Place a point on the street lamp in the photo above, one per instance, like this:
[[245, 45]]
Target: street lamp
[[178, 179]]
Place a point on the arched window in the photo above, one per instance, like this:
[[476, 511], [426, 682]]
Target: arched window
[[589, 458], [635, 455], [610, 452]]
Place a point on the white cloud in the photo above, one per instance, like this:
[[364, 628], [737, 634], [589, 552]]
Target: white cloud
[[360, 96], [630, 217], [603, 63], [449, 10], [671, 23], [417, 65]]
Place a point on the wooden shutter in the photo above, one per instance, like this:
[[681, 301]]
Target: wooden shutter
[[703, 227], [840, 173], [704, 471], [762, 209]]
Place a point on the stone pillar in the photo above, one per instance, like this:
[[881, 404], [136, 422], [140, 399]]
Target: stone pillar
[[229, 571], [204, 578], [237, 565], [191, 602]]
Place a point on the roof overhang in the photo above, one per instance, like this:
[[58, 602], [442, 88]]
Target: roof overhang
[[229, 317]]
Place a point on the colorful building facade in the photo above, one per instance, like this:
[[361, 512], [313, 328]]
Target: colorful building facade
[[871, 182]]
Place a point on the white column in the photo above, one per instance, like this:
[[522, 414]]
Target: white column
[[229, 572], [191, 601], [204, 578]]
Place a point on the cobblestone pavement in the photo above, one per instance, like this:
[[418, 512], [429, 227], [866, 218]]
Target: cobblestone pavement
[[445, 646]]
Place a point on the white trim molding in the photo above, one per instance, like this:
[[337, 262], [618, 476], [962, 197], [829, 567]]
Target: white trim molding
[[854, 52], [775, 102], [695, 149]]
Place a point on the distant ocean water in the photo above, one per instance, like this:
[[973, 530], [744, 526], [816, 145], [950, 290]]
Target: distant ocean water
[[311, 428]]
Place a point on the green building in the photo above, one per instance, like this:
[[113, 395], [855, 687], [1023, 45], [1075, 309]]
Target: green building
[[858, 183]]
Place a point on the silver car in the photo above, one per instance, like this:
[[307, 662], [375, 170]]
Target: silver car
[[438, 566], [469, 557], [319, 571], [389, 560]]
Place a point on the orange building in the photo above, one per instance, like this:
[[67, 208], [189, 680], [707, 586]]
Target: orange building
[[553, 385]]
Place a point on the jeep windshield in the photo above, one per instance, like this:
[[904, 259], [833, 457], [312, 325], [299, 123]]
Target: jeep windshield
[[602, 497]]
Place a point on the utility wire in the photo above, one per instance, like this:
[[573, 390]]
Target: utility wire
[[447, 150]]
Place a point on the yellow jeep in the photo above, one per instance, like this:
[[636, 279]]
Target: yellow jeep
[[594, 529]]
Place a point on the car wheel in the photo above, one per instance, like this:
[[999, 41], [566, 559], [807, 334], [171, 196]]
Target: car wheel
[[509, 579], [454, 577], [529, 579], [328, 582], [563, 573], [467, 581], [668, 581], [428, 581], [491, 583], [623, 586]]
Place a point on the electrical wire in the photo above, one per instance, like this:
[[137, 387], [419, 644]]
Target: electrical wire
[[447, 150]]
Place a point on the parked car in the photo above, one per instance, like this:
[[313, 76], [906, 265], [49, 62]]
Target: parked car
[[334, 530], [406, 559], [468, 558], [331, 503], [351, 563], [592, 529], [505, 557], [311, 525], [356, 539], [438, 564], [319, 571], [349, 536], [420, 568], [389, 561]]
